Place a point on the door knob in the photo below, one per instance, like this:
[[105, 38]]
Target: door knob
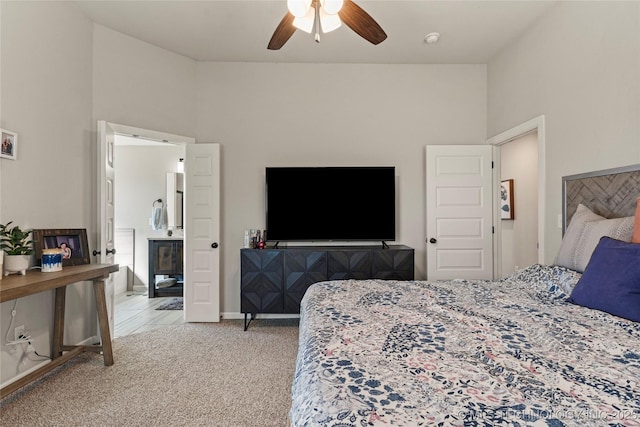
[[214, 245], [111, 251], [96, 253], [432, 240]]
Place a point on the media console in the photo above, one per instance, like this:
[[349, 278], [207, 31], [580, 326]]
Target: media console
[[275, 280]]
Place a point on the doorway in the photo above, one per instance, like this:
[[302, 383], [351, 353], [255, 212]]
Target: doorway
[[535, 130], [106, 189], [141, 169], [519, 234]]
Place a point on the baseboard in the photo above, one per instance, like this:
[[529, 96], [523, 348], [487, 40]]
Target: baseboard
[[25, 373], [240, 316], [89, 341]]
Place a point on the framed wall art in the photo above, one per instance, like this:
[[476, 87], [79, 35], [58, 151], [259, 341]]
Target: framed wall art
[[72, 242], [506, 199], [8, 144]]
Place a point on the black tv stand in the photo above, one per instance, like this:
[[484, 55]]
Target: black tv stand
[[384, 245], [275, 280]]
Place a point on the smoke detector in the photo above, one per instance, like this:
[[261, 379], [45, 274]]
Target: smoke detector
[[432, 38]]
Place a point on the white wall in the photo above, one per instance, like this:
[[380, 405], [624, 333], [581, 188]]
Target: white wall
[[579, 66], [331, 114], [46, 99], [141, 178], [519, 161], [141, 85]]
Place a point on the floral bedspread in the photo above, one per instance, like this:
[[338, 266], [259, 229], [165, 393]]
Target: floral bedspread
[[510, 352]]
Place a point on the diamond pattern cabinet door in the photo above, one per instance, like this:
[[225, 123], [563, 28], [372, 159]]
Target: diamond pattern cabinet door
[[301, 269], [261, 281], [393, 264], [349, 264]]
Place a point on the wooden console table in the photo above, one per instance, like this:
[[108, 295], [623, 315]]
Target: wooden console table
[[17, 286]]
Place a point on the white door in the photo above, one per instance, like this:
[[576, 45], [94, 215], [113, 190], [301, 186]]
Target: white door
[[106, 209], [459, 212], [202, 233]]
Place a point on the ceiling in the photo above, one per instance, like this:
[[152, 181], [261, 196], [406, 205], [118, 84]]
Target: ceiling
[[472, 32]]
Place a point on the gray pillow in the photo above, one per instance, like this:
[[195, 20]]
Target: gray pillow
[[572, 235], [584, 233], [617, 228]]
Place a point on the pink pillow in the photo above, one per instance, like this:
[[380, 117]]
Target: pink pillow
[[636, 225]]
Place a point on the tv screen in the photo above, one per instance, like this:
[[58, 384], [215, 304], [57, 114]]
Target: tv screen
[[330, 203]]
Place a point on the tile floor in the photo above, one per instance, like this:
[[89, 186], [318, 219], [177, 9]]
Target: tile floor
[[137, 313]]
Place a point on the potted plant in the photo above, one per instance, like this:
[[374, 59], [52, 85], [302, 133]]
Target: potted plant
[[16, 245]]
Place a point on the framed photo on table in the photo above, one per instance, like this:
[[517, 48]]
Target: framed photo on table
[[72, 242], [8, 144], [506, 199]]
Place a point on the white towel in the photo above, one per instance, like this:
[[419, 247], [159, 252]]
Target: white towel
[[157, 218]]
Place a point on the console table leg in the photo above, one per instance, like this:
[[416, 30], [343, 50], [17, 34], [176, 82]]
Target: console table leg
[[58, 321], [103, 321]]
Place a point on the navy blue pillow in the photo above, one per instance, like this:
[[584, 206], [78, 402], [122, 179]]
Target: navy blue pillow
[[611, 281]]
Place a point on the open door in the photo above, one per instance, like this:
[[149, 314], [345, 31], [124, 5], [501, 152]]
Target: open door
[[459, 212], [106, 209], [106, 202], [202, 233]]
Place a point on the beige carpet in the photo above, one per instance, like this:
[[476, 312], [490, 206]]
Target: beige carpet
[[190, 374]]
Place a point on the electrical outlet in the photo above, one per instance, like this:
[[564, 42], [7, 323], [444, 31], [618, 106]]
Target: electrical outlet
[[19, 331]]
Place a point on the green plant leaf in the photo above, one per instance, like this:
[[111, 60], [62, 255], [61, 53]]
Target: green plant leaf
[[14, 240]]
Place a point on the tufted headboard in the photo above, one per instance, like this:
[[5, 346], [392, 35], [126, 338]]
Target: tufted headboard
[[611, 193]]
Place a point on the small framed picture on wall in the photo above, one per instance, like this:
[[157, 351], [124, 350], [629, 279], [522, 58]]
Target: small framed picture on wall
[[9, 145], [506, 199]]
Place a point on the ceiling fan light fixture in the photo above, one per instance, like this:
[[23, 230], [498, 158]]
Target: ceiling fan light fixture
[[329, 22], [332, 6], [347, 12], [305, 23], [299, 8]]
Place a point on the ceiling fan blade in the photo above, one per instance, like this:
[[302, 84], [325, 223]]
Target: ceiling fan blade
[[361, 22], [283, 32]]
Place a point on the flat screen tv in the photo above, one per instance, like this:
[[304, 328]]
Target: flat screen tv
[[330, 203]]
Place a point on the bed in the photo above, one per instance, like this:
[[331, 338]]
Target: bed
[[520, 351]]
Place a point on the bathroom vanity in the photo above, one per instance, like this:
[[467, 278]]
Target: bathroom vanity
[[166, 261]]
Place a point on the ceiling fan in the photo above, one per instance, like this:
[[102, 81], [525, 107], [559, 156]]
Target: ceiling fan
[[325, 16]]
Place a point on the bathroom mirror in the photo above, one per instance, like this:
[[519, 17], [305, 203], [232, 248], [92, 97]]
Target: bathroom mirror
[[175, 204]]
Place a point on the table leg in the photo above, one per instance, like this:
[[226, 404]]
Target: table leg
[[103, 321], [58, 321]]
